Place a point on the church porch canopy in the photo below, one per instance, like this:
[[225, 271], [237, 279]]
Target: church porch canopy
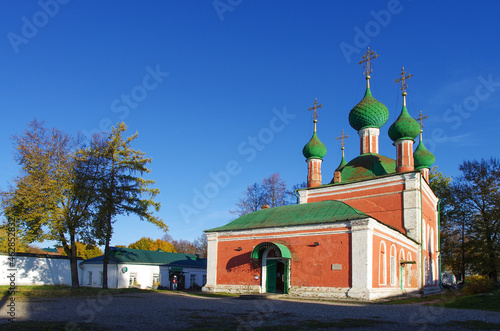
[[280, 250]]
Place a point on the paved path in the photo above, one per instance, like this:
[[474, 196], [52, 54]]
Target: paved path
[[176, 311]]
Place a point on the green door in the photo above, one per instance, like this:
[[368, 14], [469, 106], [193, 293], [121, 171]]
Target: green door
[[271, 276]]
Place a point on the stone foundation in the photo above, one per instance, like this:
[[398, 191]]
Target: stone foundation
[[231, 288]]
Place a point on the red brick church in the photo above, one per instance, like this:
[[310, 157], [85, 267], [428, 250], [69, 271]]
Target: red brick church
[[371, 232]]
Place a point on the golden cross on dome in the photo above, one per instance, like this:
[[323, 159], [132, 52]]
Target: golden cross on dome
[[367, 57], [402, 81], [315, 108], [420, 119], [342, 139]]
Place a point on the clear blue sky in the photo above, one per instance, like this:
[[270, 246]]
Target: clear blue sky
[[199, 79]]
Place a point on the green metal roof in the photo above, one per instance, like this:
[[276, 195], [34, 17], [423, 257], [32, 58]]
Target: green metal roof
[[139, 256], [368, 113], [314, 149], [308, 213], [422, 157], [368, 165], [405, 127]]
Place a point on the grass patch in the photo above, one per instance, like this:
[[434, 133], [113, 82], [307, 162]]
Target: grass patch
[[45, 326], [473, 325], [344, 323], [49, 291], [423, 299], [455, 299], [482, 301]]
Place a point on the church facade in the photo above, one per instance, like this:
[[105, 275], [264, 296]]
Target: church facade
[[371, 232]]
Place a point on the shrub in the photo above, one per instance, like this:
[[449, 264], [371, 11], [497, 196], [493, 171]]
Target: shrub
[[478, 284]]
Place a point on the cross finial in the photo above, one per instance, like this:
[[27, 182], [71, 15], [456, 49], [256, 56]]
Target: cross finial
[[342, 139], [367, 58], [315, 112], [403, 84], [420, 119], [315, 108]]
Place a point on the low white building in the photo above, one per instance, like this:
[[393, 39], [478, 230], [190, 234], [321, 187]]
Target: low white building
[[145, 269], [36, 269]]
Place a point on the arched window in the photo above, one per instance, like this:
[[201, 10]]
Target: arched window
[[423, 236], [408, 269], [432, 267], [382, 264], [393, 265], [429, 238]]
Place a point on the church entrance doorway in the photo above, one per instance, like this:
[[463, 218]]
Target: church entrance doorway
[[275, 262]]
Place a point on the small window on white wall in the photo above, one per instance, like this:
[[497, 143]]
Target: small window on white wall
[[101, 277], [393, 265], [90, 278]]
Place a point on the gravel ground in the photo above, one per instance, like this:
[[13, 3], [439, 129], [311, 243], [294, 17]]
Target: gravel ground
[[177, 311]]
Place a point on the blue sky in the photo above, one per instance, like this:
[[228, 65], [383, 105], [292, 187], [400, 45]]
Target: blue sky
[[219, 90]]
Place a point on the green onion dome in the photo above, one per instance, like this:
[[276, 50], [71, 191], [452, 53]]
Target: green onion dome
[[342, 164], [314, 149], [422, 158], [405, 127], [368, 113]]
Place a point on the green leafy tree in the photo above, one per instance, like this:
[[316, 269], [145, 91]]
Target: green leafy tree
[[476, 199], [149, 244], [451, 240], [48, 200], [121, 188], [86, 251], [16, 240], [144, 243]]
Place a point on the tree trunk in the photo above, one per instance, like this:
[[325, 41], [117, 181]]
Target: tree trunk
[[73, 259], [106, 253], [71, 252], [493, 274], [463, 251]]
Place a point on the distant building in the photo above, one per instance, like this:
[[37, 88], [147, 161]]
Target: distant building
[[145, 269], [370, 232], [53, 251]]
